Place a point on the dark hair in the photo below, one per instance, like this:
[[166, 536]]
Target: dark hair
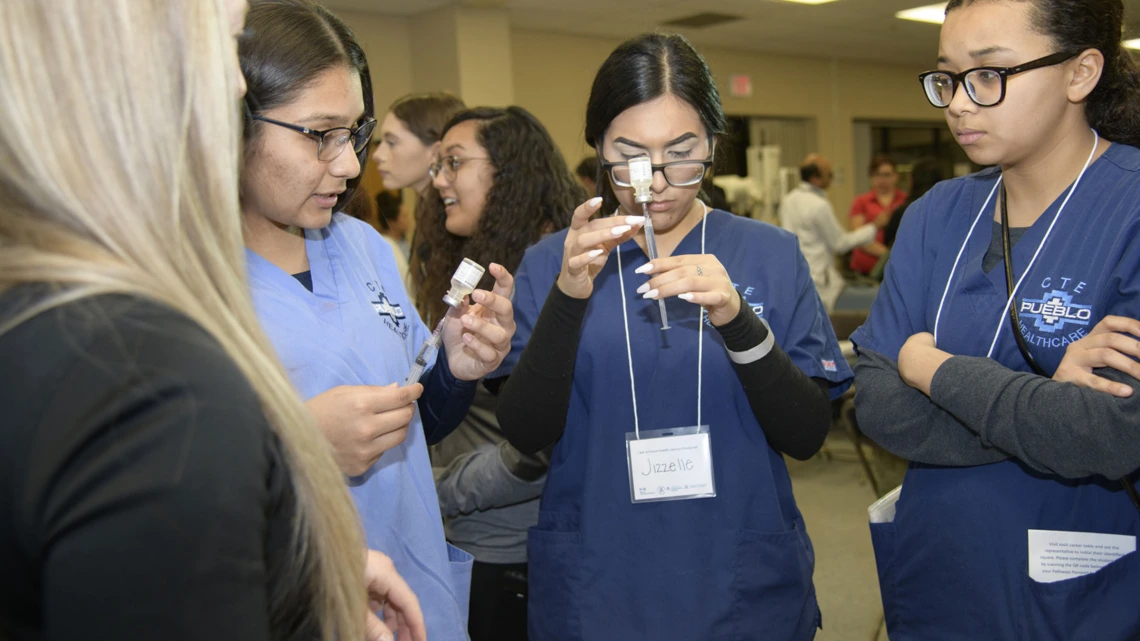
[[924, 175], [361, 207], [1113, 107], [643, 69], [878, 160], [425, 114], [388, 204], [533, 194], [290, 43], [588, 168], [809, 170]]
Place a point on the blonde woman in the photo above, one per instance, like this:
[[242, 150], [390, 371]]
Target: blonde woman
[[159, 477]]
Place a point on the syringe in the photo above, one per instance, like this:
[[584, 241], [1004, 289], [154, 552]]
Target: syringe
[[430, 344], [641, 179], [462, 283]]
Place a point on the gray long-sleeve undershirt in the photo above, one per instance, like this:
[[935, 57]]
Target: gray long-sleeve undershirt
[[981, 412]]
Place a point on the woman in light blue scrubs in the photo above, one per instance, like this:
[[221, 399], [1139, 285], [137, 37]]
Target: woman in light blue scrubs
[[1015, 520], [668, 511], [331, 300]]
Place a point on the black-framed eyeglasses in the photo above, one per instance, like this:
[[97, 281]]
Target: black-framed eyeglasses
[[331, 142], [449, 165], [679, 173], [984, 85]]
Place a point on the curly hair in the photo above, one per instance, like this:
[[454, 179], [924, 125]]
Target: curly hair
[[532, 194]]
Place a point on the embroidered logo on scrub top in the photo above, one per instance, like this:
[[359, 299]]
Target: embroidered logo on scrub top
[[391, 313], [758, 308], [1054, 311], [1059, 320], [384, 307]]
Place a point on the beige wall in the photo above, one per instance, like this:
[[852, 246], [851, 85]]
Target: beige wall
[[435, 48], [553, 74], [387, 41], [484, 58], [550, 74]]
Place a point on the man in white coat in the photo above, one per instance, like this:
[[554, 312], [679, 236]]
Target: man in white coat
[[807, 213]]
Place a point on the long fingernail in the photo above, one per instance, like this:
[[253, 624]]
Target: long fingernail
[[650, 294], [644, 288], [644, 269], [595, 201], [595, 253], [635, 220], [620, 229], [686, 296]]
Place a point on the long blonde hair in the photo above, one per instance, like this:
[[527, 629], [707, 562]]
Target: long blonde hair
[[119, 136]]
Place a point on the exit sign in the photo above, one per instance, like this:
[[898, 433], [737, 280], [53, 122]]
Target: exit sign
[[740, 85]]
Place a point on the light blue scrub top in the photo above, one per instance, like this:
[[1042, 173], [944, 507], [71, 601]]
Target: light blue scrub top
[[358, 327]]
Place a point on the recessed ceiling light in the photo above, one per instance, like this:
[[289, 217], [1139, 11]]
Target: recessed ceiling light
[[701, 20], [1132, 44], [810, 1], [932, 13]]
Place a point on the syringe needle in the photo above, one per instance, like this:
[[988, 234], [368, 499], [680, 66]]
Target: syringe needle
[[651, 250]]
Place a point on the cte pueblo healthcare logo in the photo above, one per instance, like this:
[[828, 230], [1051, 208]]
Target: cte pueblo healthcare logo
[[1054, 320]]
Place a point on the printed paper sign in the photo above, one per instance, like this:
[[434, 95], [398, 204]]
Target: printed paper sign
[[1056, 555]]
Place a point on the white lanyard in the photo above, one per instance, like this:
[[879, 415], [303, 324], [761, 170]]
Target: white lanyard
[[629, 350], [1013, 294]]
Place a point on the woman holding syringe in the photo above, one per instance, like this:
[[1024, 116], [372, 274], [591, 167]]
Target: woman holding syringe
[[330, 299], [668, 511]]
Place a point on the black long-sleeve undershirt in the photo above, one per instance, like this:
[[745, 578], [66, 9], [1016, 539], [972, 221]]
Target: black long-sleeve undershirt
[[793, 409]]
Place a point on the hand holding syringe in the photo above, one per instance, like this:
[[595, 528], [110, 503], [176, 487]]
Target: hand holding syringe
[[641, 179], [462, 283]]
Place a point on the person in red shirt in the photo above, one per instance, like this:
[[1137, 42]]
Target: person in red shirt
[[882, 200]]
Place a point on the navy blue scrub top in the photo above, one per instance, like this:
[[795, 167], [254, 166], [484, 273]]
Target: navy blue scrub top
[[735, 566], [954, 563]]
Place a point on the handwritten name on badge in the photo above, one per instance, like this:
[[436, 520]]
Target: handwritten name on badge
[[671, 467], [676, 465]]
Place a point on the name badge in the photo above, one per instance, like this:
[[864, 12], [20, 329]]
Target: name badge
[[670, 465]]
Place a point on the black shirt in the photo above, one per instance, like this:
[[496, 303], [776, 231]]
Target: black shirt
[[142, 493], [306, 279]]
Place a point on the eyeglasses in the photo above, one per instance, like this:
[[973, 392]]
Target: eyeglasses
[[984, 85], [331, 142], [448, 166], [680, 173]]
